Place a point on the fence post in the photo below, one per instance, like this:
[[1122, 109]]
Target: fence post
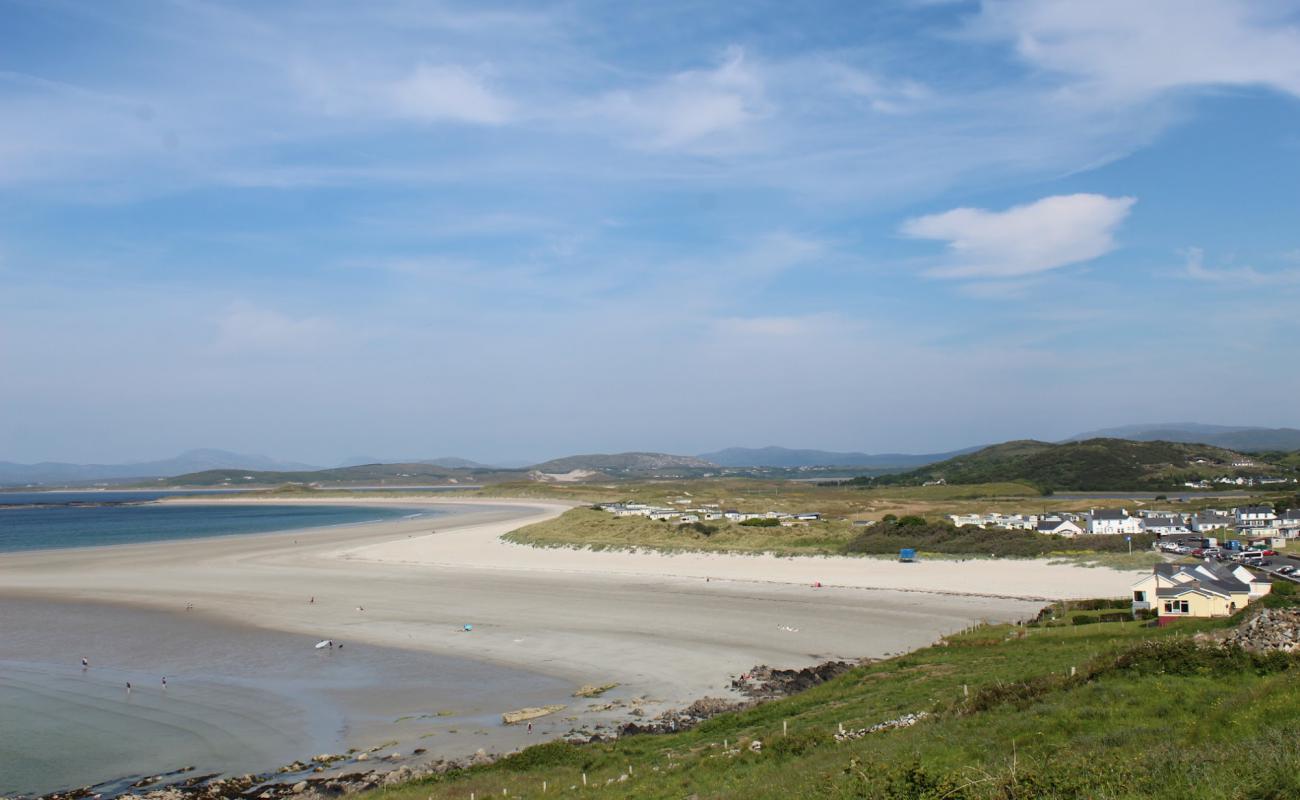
[[785, 727]]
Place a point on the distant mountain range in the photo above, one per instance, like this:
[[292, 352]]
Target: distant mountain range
[[1240, 438], [209, 462], [53, 473], [624, 463], [450, 462], [788, 458]]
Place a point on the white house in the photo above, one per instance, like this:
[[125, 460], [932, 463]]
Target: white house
[[1165, 525], [1211, 520], [961, 520], [1288, 524], [1113, 521], [1058, 527], [1256, 520]]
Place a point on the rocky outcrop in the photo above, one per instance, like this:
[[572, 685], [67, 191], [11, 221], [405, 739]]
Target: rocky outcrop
[[525, 714], [1270, 629], [905, 721], [297, 780], [764, 682]]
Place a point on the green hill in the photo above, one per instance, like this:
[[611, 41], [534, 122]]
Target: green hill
[[1047, 711], [1092, 465]]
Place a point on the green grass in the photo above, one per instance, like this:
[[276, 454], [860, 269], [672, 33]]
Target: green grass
[[1149, 714], [586, 527], [600, 530]]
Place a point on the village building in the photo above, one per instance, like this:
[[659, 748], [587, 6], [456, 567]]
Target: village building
[[1111, 521], [1211, 520], [1207, 589], [1058, 526], [1255, 520], [1171, 525]]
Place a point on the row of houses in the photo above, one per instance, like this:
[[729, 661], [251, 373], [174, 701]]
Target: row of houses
[[703, 513], [1227, 480], [1256, 521]]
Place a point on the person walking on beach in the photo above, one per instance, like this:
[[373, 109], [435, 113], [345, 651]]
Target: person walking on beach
[[312, 601], [164, 683], [128, 687], [530, 727], [85, 663]]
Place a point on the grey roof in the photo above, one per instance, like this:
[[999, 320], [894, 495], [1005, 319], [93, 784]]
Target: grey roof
[[1164, 522], [1109, 513], [1255, 510], [1207, 575], [1050, 524]]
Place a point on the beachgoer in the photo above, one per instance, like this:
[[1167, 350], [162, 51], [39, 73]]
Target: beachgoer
[[164, 682], [312, 601], [128, 687], [530, 727], [85, 663]]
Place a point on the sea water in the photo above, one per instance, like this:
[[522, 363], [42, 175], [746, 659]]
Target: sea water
[[237, 699], [43, 520]]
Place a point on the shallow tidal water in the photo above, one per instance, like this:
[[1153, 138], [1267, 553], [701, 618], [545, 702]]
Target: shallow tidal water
[[237, 699]]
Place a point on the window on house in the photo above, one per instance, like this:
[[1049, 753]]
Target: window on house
[[1182, 606], [1140, 597], [1168, 607]]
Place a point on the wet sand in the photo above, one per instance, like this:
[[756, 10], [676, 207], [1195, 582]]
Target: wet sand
[[237, 699]]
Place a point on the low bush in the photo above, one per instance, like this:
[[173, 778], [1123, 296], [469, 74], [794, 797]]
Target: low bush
[[888, 536], [796, 744], [551, 754], [762, 522]]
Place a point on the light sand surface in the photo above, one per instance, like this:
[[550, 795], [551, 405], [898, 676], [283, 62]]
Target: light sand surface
[[673, 627]]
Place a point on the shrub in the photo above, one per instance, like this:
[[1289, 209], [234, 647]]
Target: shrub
[[551, 754], [914, 783], [762, 522], [796, 744], [1083, 619], [703, 529], [887, 536]]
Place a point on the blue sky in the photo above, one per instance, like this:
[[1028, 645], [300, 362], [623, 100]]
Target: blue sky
[[512, 231]]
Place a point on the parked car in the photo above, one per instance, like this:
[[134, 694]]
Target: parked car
[[1287, 570]]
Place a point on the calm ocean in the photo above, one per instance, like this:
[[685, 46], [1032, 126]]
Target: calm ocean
[[44, 520]]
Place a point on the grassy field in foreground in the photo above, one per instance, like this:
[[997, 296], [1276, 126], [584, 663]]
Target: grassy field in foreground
[[1150, 713]]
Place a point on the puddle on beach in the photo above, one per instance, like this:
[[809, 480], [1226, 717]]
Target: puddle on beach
[[237, 699]]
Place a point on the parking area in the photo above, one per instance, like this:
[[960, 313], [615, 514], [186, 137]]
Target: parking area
[[1276, 563]]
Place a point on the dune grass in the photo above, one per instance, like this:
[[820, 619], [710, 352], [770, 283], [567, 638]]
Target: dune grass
[[1149, 713], [587, 527]]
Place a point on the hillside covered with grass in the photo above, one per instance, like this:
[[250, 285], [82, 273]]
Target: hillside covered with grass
[[1091, 465], [1048, 711]]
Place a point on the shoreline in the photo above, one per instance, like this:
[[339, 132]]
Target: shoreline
[[668, 629]]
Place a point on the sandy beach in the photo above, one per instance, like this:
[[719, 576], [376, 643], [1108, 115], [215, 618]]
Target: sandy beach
[[671, 627]]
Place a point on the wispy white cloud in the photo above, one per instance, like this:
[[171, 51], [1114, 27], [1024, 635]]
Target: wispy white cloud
[[696, 109], [1023, 240], [1119, 48], [1246, 277], [448, 92]]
